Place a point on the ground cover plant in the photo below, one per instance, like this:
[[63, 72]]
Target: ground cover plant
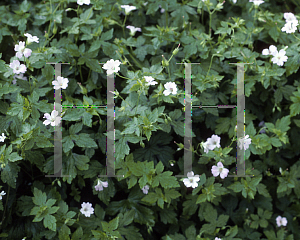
[[140, 44]]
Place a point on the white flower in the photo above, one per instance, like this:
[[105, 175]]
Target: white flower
[[247, 142], [217, 237], [279, 57], [149, 80], [31, 38], [60, 83], [281, 221], [80, 2], [100, 185], [191, 180], [289, 17], [21, 50], [271, 51], [2, 194], [145, 189], [133, 30], [145, 3], [112, 66], [17, 67], [219, 169], [53, 119], [171, 87], [213, 142], [234, 1], [87, 209], [257, 2], [2, 138], [290, 27], [128, 8]]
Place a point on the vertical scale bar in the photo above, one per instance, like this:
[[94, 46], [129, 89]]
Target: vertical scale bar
[[57, 128], [110, 140], [240, 165], [188, 155]]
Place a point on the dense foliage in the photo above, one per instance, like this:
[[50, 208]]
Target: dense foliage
[[141, 45]]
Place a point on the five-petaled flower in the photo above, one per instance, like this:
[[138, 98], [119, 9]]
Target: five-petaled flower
[[279, 57], [171, 87], [150, 80], [87, 209], [281, 221], [2, 194], [21, 50], [2, 138], [219, 169], [145, 189], [213, 142], [100, 185], [53, 119], [112, 66], [247, 142], [128, 8], [133, 29], [80, 2], [17, 67], [31, 38], [191, 180], [60, 83]]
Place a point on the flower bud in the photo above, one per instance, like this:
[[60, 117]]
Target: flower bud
[[166, 121], [54, 28], [164, 62], [142, 144], [176, 50]]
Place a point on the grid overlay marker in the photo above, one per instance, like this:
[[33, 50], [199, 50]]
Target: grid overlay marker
[[240, 168]]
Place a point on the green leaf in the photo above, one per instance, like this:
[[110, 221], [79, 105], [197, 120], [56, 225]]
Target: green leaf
[[50, 222], [39, 197], [81, 161], [171, 194], [159, 168], [274, 33], [64, 233], [84, 140], [77, 235], [166, 180], [10, 173], [295, 107], [107, 35]]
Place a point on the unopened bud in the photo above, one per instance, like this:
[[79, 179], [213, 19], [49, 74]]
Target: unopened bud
[[176, 50], [164, 62], [54, 28], [142, 144]]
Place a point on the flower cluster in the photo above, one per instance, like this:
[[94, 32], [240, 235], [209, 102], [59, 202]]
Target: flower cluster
[[192, 180], [278, 57], [291, 23]]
